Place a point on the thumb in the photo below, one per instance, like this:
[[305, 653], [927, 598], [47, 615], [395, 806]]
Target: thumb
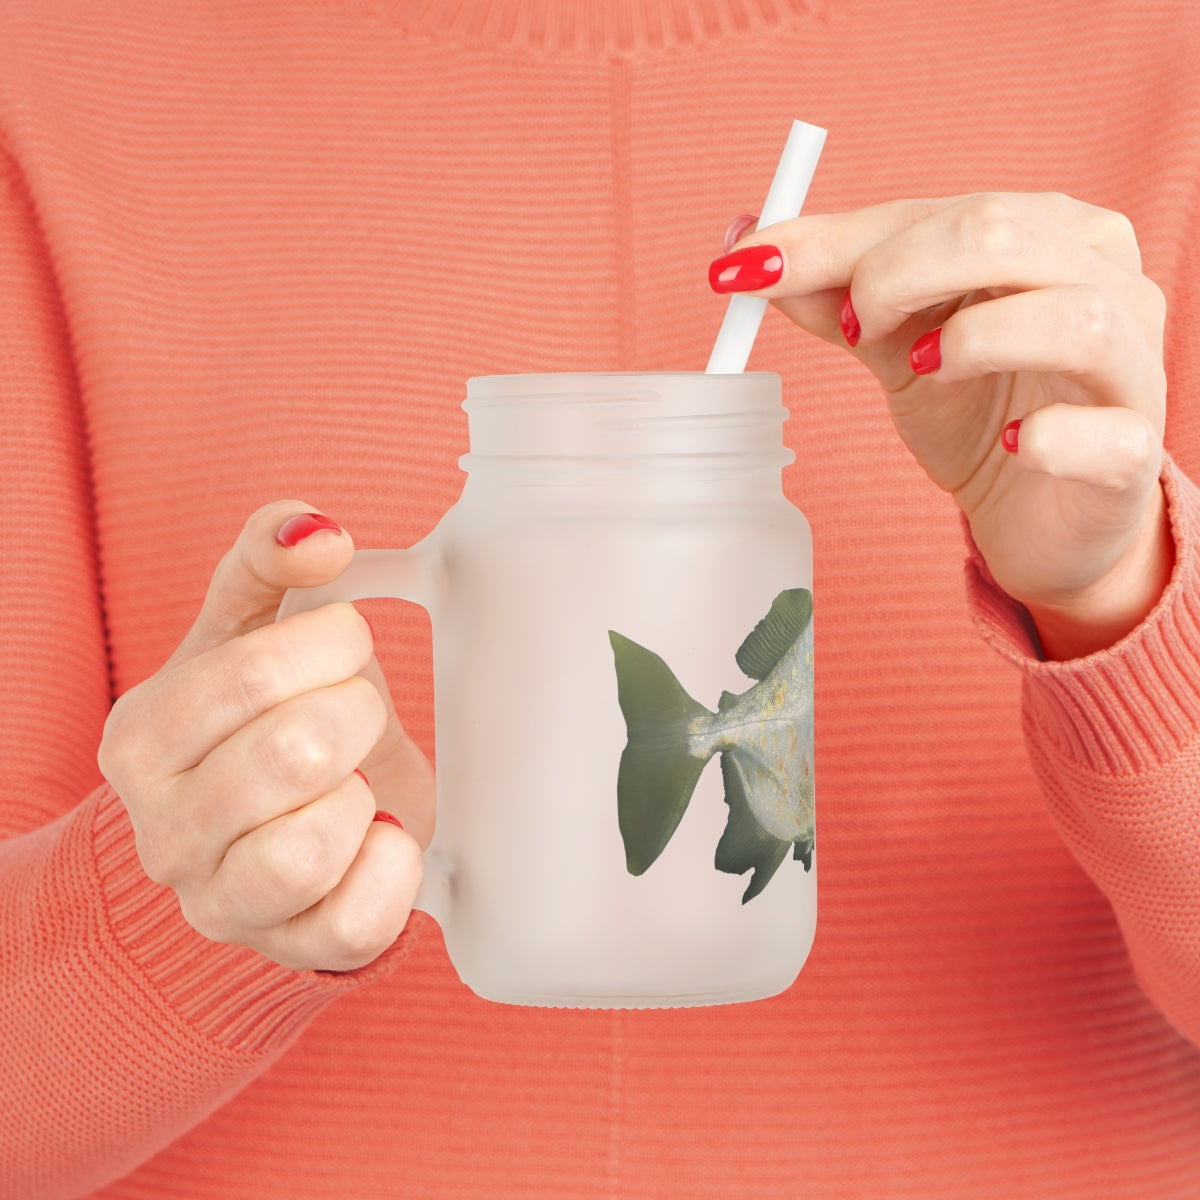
[[287, 544]]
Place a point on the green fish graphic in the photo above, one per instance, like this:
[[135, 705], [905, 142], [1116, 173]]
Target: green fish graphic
[[764, 737]]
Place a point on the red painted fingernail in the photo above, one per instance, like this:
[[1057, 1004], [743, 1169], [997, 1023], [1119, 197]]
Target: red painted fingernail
[[1009, 436], [926, 353], [737, 227], [362, 777], [380, 815], [295, 529], [851, 330], [746, 270]]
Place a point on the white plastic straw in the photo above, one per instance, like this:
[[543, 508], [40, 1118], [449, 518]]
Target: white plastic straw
[[788, 189]]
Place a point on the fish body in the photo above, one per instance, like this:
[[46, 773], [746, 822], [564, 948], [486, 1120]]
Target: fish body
[[764, 737]]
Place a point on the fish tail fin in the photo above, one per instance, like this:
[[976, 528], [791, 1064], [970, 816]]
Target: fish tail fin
[[657, 773]]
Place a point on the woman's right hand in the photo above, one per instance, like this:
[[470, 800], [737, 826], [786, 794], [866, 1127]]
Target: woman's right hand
[[237, 762]]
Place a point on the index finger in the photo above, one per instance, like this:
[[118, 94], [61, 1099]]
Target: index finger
[[191, 708], [820, 251]]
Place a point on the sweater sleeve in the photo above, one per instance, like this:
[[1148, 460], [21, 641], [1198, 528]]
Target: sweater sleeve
[[1114, 739], [120, 1027]]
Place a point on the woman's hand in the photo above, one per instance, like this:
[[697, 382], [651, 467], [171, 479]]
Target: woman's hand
[[1020, 350], [237, 762]]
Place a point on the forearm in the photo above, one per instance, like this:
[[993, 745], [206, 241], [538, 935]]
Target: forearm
[[122, 1027], [1114, 738]]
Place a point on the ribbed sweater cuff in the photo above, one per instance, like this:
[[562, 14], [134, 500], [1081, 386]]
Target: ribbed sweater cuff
[[1130, 707], [232, 996]]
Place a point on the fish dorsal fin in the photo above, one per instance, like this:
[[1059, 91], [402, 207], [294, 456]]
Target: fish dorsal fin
[[776, 633]]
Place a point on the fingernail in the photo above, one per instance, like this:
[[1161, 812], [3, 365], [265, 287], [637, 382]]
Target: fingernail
[[1009, 436], [737, 227], [362, 777], [295, 529], [926, 353], [851, 330], [746, 270], [380, 815]]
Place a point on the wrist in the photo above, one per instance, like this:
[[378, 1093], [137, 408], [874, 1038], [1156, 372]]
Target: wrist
[[1113, 606]]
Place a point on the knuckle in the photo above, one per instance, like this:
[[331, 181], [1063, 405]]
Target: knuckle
[[1112, 234], [298, 751], [121, 751], [160, 856], [817, 255], [258, 679], [994, 226], [1059, 202], [1117, 229], [880, 286], [1116, 476], [370, 711], [1141, 446], [209, 919], [915, 209], [298, 859], [1156, 301], [360, 934], [113, 753], [969, 341], [1126, 451], [350, 633], [1059, 206], [1090, 318]]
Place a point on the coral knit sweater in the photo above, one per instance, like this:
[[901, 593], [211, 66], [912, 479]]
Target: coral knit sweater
[[252, 250]]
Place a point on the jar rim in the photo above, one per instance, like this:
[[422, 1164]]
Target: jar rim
[[568, 386]]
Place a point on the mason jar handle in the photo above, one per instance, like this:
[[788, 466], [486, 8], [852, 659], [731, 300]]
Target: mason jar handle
[[400, 575], [395, 574]]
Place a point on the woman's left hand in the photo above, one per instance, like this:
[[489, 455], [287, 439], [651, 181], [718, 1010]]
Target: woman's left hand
[[979, 312]]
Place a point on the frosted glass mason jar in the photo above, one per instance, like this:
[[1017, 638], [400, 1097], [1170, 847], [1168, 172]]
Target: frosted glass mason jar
[[622, 647]]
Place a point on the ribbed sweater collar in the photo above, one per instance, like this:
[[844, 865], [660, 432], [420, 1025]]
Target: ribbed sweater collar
[[593, 25]]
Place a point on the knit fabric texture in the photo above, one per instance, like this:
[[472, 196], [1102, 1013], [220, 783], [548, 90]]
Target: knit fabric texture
[[253, 251]]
